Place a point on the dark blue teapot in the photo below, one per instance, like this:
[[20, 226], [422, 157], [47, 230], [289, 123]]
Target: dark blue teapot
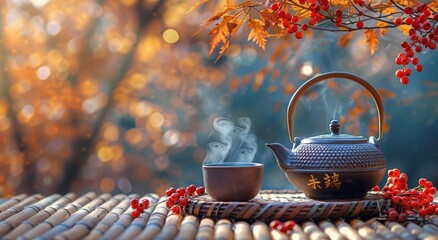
[[334, 165]]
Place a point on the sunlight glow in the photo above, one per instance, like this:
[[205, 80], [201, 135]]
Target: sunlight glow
[[156, 119], [307, 69], [171, 36], [53, 27], [39, 3], [43, 73], [105, 154]]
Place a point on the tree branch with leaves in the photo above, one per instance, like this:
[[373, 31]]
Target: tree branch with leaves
[[293, 18]]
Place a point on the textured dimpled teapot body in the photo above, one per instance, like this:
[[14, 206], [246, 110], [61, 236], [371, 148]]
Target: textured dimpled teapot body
[[341, 154], [332, 166]]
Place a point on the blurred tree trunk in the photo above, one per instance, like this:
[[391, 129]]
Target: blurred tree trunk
[[84, 146], [27, 184]]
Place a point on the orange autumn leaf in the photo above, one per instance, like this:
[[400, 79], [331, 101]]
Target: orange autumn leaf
[[217, 16], [198, 4], [356, 111], [404, 29], [288, 88], [249, 4], [356, 94], [222, 33], [219, 34], [279, 49], [332, 84], [345, 39], [272, 89], [269, 15], [258, 33], [386, 93], [389, 10], [341, 3], [258, 81], [372, 40], [382, 27], [406, 2], [313, 95], [246, 80], [234, 84]]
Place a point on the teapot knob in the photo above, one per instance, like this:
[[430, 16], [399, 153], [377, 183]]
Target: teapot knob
[[334, 127]]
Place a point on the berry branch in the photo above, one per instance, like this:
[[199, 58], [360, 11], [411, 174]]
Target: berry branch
[[177, 199], [407, 202], [284, 18]]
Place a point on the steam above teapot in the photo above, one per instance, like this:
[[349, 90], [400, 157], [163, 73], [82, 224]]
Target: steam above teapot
[[333, 165]]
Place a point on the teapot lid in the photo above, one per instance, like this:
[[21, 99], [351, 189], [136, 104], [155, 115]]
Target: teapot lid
[[335, 137]]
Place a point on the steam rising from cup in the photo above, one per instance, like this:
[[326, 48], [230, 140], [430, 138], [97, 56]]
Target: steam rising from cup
[[231, 143]]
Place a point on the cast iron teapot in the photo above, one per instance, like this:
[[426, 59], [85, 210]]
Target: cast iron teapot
[[332, 166]]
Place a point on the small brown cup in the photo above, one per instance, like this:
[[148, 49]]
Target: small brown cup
[[233, 181]]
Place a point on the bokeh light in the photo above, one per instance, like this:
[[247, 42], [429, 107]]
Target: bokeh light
[[170, 36]]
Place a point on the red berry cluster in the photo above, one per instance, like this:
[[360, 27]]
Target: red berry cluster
[[139, 206], [422, 35], [285, 227], [177, 198], [361, 3], [290, 22], [408, 202]]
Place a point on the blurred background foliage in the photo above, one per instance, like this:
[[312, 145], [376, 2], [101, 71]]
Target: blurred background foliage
[[120, 96]]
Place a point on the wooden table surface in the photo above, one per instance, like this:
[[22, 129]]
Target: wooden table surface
[[106, 216]]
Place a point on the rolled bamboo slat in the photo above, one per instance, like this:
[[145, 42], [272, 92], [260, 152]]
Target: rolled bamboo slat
[[189, 227], [413, 228], [28, 224], [313, 231], [81, 228], [382, 230], [277, 235], [170, 228], [430, 228], [75, 217], [331, 230], [9, 202], [19, 206], [242, 231], [260, 231], [118, 229], [434, 219], [365, 231], [346, 230], [155, 223], [110, 218], [206, 229], [223, 229], [59, 216], [400, 231], [418, 232], [298, 233], [27, 212]]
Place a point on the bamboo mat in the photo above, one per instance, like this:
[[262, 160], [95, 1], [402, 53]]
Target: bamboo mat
[[106, 216]]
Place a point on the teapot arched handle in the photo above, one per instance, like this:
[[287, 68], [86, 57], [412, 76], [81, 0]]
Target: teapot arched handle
[[294, 100]]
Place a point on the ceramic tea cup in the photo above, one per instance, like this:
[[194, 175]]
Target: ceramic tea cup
[[233, 181]]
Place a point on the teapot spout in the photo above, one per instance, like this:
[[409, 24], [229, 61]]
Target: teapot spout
[[282, 154]]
